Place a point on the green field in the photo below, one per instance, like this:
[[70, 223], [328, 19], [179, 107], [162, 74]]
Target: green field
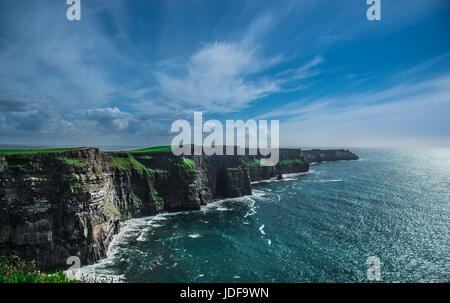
[[155, 149], [36, 151]]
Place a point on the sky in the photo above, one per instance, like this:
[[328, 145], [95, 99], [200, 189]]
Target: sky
[[128, 69]]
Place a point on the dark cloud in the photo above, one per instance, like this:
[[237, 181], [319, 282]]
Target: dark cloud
[[8, 105], [2, 124], [27, 115], [109, 120], [34, 120]]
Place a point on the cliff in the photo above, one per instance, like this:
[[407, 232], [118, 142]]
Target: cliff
[[70, 203]]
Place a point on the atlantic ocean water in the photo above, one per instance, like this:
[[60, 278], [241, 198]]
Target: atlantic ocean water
[[321, 226]]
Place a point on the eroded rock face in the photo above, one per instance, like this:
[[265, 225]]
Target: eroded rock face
[[57, 205], [51, 210]]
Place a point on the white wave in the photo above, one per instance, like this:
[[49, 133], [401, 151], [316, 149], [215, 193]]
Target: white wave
[[258, 193], [324, 181], [135, 229], [269, 242], [159, 218], [261, 229], [251, 212], [172, 266], [252, 209], [278, 197], [141, 238], [155, 225], [265, 181], [129, 230], [89, 275], [297, 174], [288, 179], [218, 205]]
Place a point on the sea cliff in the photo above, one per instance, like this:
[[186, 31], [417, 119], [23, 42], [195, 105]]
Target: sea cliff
[[70, 203]]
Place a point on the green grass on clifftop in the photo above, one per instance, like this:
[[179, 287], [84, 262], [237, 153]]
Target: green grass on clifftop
[[155, 149], [36, 151], [126, 163]]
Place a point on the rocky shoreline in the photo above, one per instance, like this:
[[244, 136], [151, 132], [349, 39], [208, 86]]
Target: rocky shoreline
[[70, 203]]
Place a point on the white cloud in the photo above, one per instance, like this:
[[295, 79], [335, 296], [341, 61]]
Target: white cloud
[[226, 77], [403, 116], [217, 79]]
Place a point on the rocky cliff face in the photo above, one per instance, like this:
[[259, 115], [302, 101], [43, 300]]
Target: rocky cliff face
[[57, 205], [62, 204]]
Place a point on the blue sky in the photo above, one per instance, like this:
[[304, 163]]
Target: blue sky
[[128, 69]]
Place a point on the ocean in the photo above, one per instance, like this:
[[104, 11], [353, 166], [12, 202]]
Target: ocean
[[321, 226]]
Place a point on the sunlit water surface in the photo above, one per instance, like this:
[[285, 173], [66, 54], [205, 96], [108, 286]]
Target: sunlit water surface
[[316, 227]]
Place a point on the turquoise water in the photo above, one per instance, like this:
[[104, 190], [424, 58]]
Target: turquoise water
[[317, 227]]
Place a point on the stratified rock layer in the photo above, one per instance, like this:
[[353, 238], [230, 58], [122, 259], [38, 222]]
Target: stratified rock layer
[[62, 204]]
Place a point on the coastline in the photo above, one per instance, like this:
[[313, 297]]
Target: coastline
[[88, 272], [88, 192]]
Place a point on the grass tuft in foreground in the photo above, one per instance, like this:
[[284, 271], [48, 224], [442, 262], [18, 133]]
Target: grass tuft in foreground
[[15, 270]]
